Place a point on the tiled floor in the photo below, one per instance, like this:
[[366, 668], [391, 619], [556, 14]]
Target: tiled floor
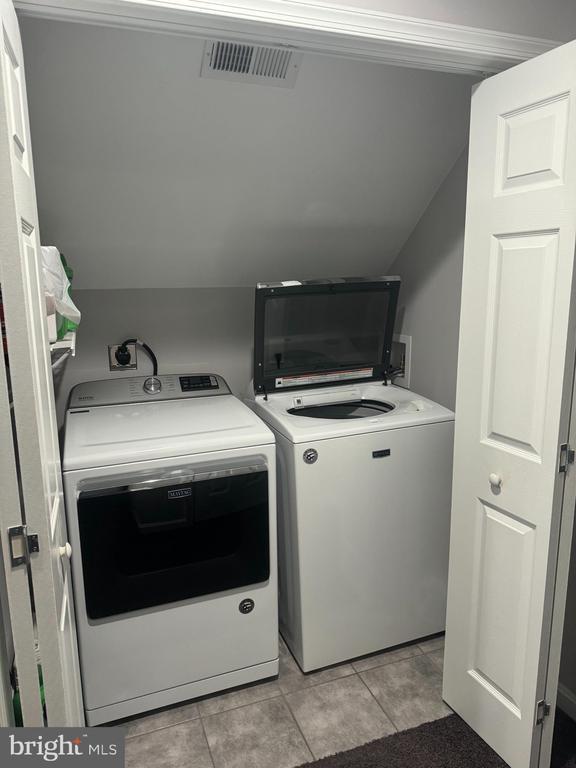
[[297, 718]]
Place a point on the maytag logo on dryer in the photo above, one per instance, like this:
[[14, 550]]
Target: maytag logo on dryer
[[179, 493], [39, 746]]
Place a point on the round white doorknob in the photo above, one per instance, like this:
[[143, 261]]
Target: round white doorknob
[[65, 551], [495, 480]]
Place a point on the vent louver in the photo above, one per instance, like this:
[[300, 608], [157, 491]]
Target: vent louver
[[244, 62]]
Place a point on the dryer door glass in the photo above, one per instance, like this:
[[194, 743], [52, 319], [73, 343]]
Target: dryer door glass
[[153, 543]]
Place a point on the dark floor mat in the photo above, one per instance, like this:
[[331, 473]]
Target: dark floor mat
[[446, 743], [564, 744]]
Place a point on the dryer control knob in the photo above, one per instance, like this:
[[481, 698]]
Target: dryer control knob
[[65, 551], [152, 385]]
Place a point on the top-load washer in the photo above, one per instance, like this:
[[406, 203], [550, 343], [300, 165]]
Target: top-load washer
[[364, 472], [171, 507]]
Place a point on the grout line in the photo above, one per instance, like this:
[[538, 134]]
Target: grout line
[[314, 757], [437, 662], [127, 737], [377, 702], [274, 695], [207, 743], [419, 652], [283, 694], [319, 682]]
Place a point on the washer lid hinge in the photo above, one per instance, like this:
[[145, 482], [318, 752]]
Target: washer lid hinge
[[566, 457], [542, 711]]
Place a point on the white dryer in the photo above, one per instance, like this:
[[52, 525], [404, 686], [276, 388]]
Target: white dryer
[[364, 472], [171, 506]]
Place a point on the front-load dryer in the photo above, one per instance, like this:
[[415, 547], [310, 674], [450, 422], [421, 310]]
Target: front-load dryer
[[364, 472], [171, 507]]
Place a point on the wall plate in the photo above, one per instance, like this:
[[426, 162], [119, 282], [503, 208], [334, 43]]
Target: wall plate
[[402, 358], [115, 365]]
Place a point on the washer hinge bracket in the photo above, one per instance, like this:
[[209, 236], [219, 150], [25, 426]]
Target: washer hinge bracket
[[22, 544], [542, 711], [566, 457]]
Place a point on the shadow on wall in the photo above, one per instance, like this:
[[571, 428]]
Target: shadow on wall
[[316, 248], [430, 265], [211, 329]]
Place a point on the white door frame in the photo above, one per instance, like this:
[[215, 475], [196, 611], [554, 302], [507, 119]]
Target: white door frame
[[561, 580], [325, 28]]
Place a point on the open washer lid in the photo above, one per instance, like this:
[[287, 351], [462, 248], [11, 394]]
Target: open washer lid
[[323, 332]]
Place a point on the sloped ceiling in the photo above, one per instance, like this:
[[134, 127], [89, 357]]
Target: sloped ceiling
[[149, 176]]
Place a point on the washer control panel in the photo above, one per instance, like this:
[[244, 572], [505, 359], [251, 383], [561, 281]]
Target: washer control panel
[[198, 383], [142, 389]]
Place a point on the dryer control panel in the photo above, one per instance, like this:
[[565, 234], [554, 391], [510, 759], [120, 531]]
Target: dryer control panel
[[141, 389]]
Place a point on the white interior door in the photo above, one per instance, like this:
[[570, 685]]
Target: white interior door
[[515, 369], [36, 441], [16, 622]]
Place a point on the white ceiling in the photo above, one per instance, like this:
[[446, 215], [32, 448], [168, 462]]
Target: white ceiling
[[149, 176], [549, 19]]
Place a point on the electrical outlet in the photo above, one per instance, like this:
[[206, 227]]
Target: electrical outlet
[[115, 365]]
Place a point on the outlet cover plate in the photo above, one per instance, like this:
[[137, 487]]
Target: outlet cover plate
[[402, 357], [115, 365]]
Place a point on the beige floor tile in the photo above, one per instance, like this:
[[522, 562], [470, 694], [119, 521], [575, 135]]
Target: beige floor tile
[[432, 644], [261, 735], [438, 657], [338, 715], [386, 657], [180, 746], [291, 677], [239, 698], [410, 691], [160, 719]]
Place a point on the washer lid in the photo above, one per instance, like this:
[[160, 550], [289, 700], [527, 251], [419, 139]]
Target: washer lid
[[322, 332], [118, 434]]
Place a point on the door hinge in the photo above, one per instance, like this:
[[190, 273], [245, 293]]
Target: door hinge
[[566, 457], [542, 711], [22, 544]]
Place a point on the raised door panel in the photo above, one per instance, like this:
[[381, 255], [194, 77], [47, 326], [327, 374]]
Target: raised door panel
[[15, 100], [519, 318], [503, 557], [515, 371], [531, 151]]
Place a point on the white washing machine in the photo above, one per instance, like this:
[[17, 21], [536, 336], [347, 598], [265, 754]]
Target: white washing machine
[[171, 503], [364, 472]]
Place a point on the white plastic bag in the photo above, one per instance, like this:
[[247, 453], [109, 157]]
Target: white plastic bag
[[56, 284]]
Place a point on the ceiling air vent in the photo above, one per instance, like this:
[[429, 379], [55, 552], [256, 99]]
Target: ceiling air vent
[[247, 63]]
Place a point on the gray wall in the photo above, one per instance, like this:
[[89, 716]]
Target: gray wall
[[159, 186], [150, 176], [189, 329], [550, 19], [430, 265]]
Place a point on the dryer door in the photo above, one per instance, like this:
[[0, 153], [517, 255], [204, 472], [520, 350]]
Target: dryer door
[[170, 538]]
